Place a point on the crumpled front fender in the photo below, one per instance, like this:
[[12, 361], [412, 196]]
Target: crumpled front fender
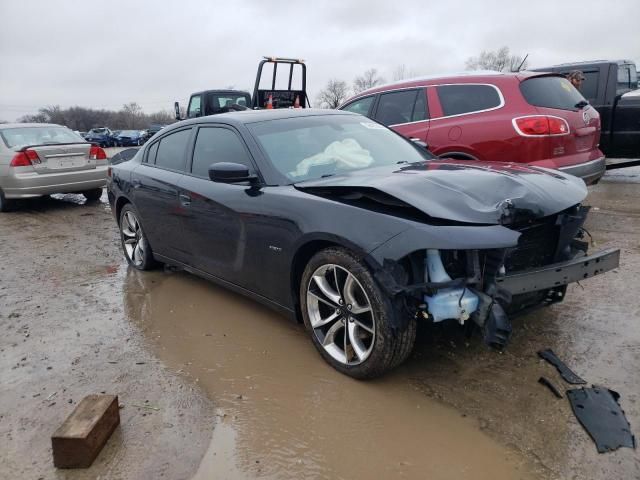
[[441, 237]]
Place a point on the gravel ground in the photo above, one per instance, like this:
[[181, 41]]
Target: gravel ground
[[76, 320]]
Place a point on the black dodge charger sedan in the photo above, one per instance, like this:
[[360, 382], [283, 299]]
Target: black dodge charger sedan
[[337, 221]]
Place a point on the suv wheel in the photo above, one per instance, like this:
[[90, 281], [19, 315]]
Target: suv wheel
[[134, 243], [349, 317]]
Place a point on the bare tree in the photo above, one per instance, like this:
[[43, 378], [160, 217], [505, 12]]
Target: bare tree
[[161, 118], [34, 118], [368, 79], [130, 116], [333, 94], [55, 114], [500, 60], [132, 113], [402, 72]]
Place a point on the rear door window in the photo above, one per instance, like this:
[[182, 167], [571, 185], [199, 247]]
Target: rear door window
[[464, 98], [172, 149], [551, 92], [361, 106], [215, 145], [396, 107], [153, 150], [420, 107]]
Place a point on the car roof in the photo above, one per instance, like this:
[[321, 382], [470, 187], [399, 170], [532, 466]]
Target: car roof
[[430, 78], [254, 116], [475, 76], [22, 125], [222, 91]]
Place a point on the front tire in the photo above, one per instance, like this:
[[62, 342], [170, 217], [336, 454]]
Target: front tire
[[350, 318], [134, 243]]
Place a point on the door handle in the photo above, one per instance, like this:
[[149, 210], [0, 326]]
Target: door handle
[[185, 200], [136, 183]]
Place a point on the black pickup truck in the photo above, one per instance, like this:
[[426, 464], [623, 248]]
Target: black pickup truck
[[212, 102], [611, 87]]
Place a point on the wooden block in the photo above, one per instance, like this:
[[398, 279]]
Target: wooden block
[[80, 438]]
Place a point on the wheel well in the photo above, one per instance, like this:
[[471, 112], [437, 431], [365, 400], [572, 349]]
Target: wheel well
[[457, 156], [121, 202], [298, 264]]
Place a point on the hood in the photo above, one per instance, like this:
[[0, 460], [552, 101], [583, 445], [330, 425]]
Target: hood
[[457, 191]]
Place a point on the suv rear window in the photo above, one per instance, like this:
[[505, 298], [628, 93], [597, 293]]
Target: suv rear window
[[551, 92], [458, 99]]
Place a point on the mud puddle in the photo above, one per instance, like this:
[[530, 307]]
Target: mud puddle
[[284, 413]]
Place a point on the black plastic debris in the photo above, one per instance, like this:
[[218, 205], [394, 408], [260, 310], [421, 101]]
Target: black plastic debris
[[598, 411], [547, 383], [497, 328], [566, 373]]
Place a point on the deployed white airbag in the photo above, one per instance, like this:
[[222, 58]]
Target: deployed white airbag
[[346, 154]]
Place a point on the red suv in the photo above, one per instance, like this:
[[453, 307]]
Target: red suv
[[526, 117]]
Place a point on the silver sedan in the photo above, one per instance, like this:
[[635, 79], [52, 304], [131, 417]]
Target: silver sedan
[[39, 159]]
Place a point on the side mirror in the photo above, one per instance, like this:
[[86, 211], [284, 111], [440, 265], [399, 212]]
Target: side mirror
[[176, 107], [227, 172]]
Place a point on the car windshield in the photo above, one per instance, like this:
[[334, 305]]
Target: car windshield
[[309, 148], [23, 136], [98, 131], [128, 133]]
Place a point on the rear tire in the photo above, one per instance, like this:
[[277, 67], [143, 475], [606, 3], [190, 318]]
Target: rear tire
[[350, 318], [135, 246], [93, 195], [6, 205]]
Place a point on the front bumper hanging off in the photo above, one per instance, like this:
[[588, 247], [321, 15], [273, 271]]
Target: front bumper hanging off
[[559, 274]]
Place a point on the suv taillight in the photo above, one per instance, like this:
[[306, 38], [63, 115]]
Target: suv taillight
[[97, 153], [540, 126], [25, 159]]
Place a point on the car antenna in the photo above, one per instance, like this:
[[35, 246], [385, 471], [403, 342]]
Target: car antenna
[[523, 60]]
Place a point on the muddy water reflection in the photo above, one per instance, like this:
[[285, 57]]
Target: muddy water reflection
[[284, 413]]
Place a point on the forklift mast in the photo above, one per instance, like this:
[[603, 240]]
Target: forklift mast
[[281, 98]]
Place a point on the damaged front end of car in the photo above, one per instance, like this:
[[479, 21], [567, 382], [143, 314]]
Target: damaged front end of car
[[483, 241], [488, 286]]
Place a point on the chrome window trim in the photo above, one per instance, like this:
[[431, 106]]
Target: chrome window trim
[[497, 89], [411, 123]]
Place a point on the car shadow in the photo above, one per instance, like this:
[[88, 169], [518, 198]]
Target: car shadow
[[56, 202]]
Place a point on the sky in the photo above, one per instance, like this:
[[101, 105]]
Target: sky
[[103, 54]]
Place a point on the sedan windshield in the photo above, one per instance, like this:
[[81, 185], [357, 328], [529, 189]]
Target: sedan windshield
[[129, 133], [309, 148], [23, 136]]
